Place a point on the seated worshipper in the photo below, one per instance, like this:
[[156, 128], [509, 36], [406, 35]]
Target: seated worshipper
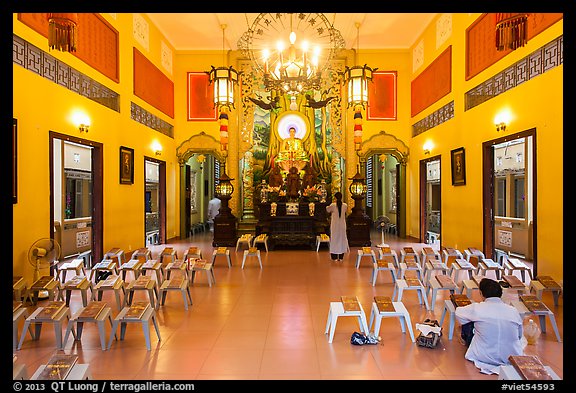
[[497, 329], [292, 152]]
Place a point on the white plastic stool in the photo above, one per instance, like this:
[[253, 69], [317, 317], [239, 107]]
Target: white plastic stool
[[515, 264], [261, 239], [251, 253], [538, 288], [149, 315], [402, 285], [435, 286], [99, 320], [404, 267], [244, 239], [361, 254], [323, 238], [221, 252], [541, 317], [336, 311], [383, 265], [400, 312], [486, 264], [451, 310]]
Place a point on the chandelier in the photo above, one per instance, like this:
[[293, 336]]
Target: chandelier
[[291, 50]]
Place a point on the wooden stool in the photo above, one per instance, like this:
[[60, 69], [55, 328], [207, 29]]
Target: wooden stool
[[20, 313], [148, 285], [252, 252], [435, 286], [201, 265], [155, 266], [538, 289], [400, 312], [244, 239], [57, 321], [337, 310], [402, 285], [486, 264], [322, 238], [117, 286], [365, 252], [176, 284], [82, 286], [541, 317], [77, 265], [261, 239], [383, 264], [221, 251], [100, 321], [515, 264], [149, 315]]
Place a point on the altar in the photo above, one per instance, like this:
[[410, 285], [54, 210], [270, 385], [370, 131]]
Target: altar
[[298, 230]]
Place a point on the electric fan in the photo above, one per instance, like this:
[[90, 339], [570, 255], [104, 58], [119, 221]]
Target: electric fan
[[382, 223], [43, 254]]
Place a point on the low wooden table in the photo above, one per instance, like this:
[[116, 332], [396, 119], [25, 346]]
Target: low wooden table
[[57, 321], [100, 320], [148, 316]]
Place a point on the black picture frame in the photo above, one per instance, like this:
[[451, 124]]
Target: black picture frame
[[126, 165], [458, 161], [14, 161]]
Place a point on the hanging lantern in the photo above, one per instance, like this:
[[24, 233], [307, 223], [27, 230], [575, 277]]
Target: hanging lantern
[[511, 31], [224, 127], [63, 31], [358, 126]]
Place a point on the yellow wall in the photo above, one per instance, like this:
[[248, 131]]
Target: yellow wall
[[41, 105]]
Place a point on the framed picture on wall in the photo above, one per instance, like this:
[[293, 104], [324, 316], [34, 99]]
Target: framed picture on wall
[[14, 162], [458, 167], [126, 165]]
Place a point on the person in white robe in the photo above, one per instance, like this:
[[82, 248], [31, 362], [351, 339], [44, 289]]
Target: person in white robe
[[497, 330], [338, 239], [213, 210]]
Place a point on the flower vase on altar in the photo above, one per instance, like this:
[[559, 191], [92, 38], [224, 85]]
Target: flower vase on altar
[[273, 206], [311, 207]]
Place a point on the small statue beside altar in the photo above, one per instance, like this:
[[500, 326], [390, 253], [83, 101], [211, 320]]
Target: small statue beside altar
[[292, 153], [293, 184], [275, 179], [309, 179]]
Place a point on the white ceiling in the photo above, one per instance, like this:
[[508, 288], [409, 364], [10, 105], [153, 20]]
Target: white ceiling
[[203, 31]]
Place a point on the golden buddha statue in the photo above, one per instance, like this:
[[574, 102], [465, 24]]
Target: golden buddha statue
[[292, 153]]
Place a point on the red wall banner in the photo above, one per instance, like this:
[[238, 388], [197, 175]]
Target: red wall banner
[[200, 96], [382, 103]]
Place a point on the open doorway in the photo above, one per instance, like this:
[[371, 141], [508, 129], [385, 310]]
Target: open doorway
[[76, 197], [154, 201], [382, 193], [430, 201], [510, 197]]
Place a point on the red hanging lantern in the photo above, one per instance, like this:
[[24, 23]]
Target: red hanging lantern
[[358, 126], [511, 31], [63, 31], [224, 127]]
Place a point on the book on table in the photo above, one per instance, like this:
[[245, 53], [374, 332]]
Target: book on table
[[193, 251], [412, 282], [533, 304], [58, 367], [460, 299], [113, 251], [136, 310], [141, 282], [168, 251], [179, 264], [386, 250], [176, 282], [42, 282], [324, 237], [445, 281], [437, 265], [151, 264], [198, 264], [475, 251], [16, 305], [450, 251], [109, 281], [131, 264], [105, 264], [350, 303], [75, 282], [408, 250], [517, 263], [51, 309], [464, 264], [428, 251], [410, 258], [92, 310], [74, 264], [489, 263], [548, 282], [411, 264], [513, 281], [384, 304], [366, 250], [385, 260], [529, 367]]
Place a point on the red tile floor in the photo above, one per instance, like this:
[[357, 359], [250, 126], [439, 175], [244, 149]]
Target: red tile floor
[[269, 324]]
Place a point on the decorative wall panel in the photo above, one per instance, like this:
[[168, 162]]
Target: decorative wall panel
[[152, 85], [481, 50], [200, 98], [97, 40], [433, 83], [141, 115], [443, 114], [382, 103]]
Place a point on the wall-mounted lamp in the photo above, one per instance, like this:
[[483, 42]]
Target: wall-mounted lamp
[[80, 119], [427, 147], [500, 126], [157, 147], [83, 127]]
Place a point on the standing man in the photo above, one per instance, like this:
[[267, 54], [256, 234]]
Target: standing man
[[213, 210], [338, 239], [497, 329]]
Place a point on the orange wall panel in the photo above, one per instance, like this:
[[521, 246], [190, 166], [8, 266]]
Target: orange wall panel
[[433, 83], [152, 85]]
